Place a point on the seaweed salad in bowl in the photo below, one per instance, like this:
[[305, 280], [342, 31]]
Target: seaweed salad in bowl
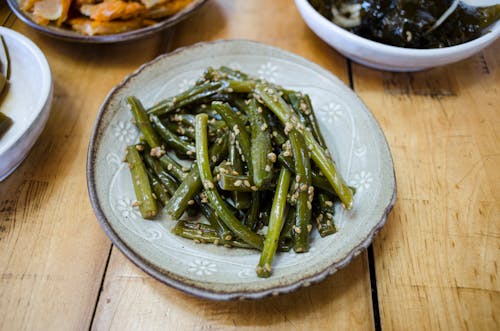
[[411, 23]]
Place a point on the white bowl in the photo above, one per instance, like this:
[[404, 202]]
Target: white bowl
[[380, 56], [27, 100]]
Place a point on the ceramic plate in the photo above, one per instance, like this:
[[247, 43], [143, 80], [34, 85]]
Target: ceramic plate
[[70, 35], [353, 137]]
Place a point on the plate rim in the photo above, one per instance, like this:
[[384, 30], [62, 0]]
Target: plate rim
[[164, 276], [72, 36]]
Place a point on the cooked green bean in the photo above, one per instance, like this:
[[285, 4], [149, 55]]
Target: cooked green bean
[[210, 74], [301, 104], [262, 156], [240, 230], [322, 159], [220, 97], [204, 233], [325, 223], [286, 236], [158, 170], [211, 216], [323, 211], [191, 95], [265, 209], [278, 136], [145, 199], [241, 199], [251, 218], [237, 81], [185, 133], [295, 101], [198, 232], [191, 184], [234, 183], [159, 190], [304, 192], [234, 74], [238, 129], [325, 206], [238, 86], [308, 110], [185, 119], [317, 180], [275, 224], [325, 203], [171, 139], [143, 123], [172, 167]]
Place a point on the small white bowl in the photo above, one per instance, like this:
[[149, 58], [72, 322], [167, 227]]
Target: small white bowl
[[380, 56], [27, 100]]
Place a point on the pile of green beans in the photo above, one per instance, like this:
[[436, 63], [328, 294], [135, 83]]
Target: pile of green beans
[[257, 161]]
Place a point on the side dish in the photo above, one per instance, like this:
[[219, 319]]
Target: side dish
[[259, 170], [5, 121], [101, 17], [411, 24]]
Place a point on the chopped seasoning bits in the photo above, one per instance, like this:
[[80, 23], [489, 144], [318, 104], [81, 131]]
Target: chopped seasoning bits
[[157, 151]]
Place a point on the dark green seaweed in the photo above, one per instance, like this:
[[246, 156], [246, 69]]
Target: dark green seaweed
[[409, 23]]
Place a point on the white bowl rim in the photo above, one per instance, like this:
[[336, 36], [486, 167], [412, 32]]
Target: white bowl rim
[[45, 83], [492, 33]]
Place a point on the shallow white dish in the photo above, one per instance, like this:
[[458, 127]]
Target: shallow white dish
[[27, 100], [353, 137], [380, 56]]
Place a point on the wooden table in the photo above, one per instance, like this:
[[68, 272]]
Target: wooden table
[[434, 266]]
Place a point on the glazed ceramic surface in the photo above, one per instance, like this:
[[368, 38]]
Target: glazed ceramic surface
[[26, 99], [353, 137], [385, 57], [67, 34]]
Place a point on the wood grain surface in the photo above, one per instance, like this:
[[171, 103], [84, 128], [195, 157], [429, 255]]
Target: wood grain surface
[[52, 251], [437, 259], [433, 267]]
